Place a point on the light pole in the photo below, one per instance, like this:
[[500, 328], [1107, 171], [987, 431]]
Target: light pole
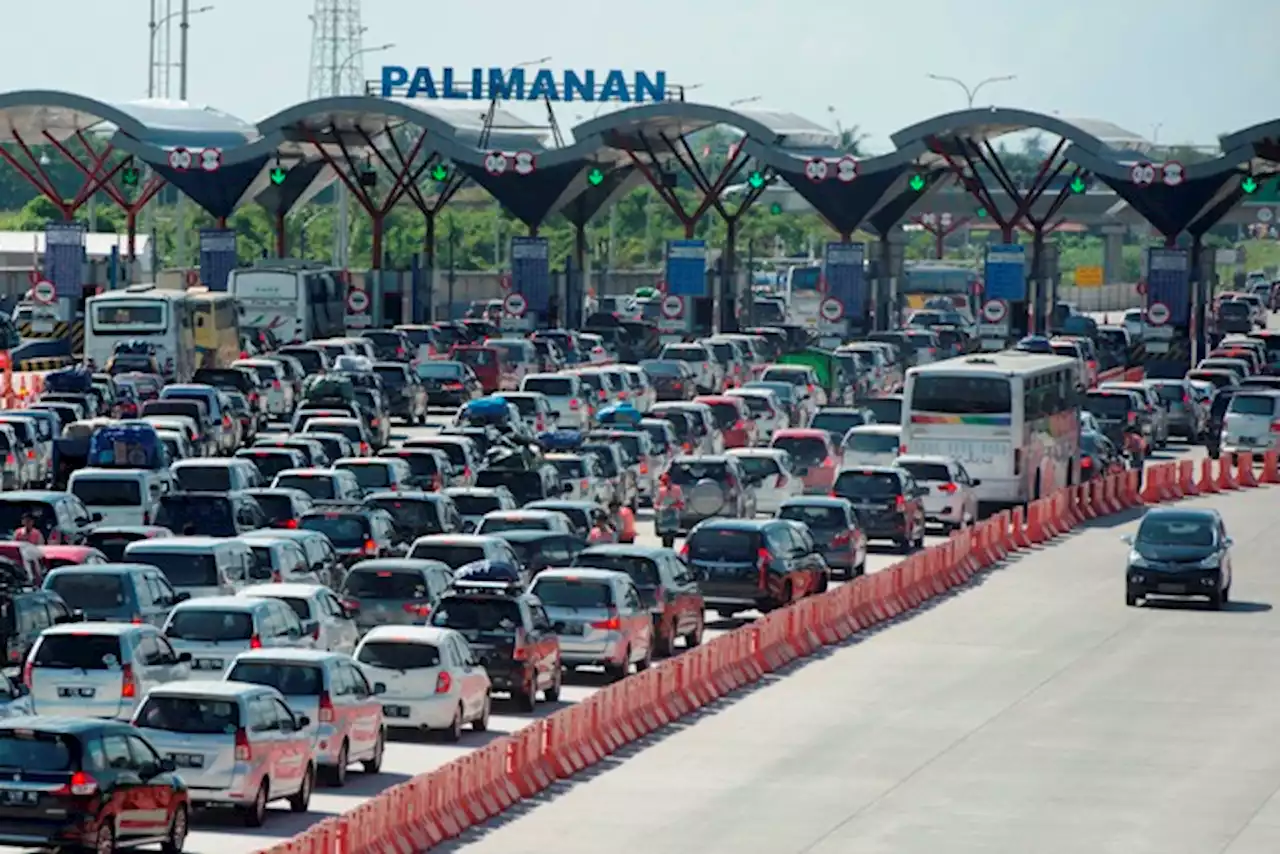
[[740, 101], [971, 94], [357, 53], [154, 25]]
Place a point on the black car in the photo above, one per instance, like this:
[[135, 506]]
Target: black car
[[527, 485], [1120, 413], [666, 586], [671, 379], [271, 461], [889, 503], [754, 564], [243, 380], [429, 469], [210, 514], [834, 525], [417, 514], [282, 507], [579, 513], [510, 632], [1235, 316], [1099, 456], [539, 550], [405, 395], [1217, 414], [24, 614], [357, 532], [449, 383], [1179, 552], [389, 345], [74, 783]]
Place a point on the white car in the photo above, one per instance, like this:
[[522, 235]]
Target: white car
[[122, 496], [535, 410], [213, 629], [234, 744], [279, 391], [706, 370], [323, 617], [99, 670], [581, 473], [765, 409], [1247, 424], [771, 475], [871, 445], [568, 395], [331, 690], [283, 558], [434, 680], [321, 484], [952, 497]]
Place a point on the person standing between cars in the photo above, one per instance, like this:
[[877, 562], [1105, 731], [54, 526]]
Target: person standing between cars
[[669, 494], [28, 532], [626, 526], [601, 530]]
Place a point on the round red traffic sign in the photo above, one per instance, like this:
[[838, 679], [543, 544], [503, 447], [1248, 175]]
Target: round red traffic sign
[[815, 169], [211, 159], [1142, 174], [1142, 288], [515, 305], [1158, 314], [847, 169], [526, 162], [357, 301], [995, 310], [44, 292], [672, 307], [179, 159], [831, 309], [495, 163], [1173, 173]]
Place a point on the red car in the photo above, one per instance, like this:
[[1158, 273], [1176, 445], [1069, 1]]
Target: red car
[[732, 417], [489, 364], [815, 456], [56, 556]]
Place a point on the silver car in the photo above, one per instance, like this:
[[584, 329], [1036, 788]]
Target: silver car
[[599, 618]]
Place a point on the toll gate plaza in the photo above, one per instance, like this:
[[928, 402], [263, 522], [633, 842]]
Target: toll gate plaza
[[386, 148]]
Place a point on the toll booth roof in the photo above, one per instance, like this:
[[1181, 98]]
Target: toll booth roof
[[29, 114], [506, 131], [992, 122], [178, 123]]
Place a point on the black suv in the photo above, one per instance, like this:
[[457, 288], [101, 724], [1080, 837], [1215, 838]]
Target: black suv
[[418, 514], [406, 396], [761, 564], [510, 632], [428, 469], [888, 501], [75, 783], [24, 614], [666, 585]]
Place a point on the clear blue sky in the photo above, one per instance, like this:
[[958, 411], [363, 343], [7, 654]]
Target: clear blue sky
[[1197, 68]]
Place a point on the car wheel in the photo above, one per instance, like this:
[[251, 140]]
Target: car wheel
[[177, 837], [105, 841], [526, 700], [1217, 599], [663, 641], [646, 662], [904, 545], [454, 733], [481, 724], [552, 694], [1226, 594], [668, 540], [301, 800], [1131, 600], [373, 764], [823, 583], [336, 776], [618, 672], [255, 815]]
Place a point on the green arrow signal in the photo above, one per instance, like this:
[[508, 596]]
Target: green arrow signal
[[917, 182], [277, 175], [129, 176], [595, 177], [775, 208], [1249, 184], [756, 180], [439, 172], [982, 213], [1077, 185]]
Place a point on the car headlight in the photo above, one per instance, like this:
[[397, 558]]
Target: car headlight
[[1211, 562], [1137, 561]]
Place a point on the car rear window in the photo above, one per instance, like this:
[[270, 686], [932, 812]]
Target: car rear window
[[725, 415], [344, 530], [927, 471], [82, 651], [107, 492], [759, 466], [36, 751], [195, 715], [550, 386], [348, 429], [687, 474], [370, 583], [1170, 392], [837, 422], [277, 508], [643, 571], [182, 568], [573, 593], [318, 486], [871, 443], [807, 451], [452, 556], [815, 516], [399, 655], [1252, 404], [857, 484], [95, 591], [685, 354], [757, 405], [292, 680], [497, 524], [203, 478], [961, 395], [723, 544], [1234, 308], [476, 616], [1108, 404], [369, 475], [201, 624]]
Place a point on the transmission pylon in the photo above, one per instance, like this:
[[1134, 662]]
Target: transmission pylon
[[336, 42]]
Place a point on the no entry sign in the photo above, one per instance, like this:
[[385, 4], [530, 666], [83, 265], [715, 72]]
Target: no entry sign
[[495, 163], [179, 159], [515, 305], [1158, 314], [831, 309]]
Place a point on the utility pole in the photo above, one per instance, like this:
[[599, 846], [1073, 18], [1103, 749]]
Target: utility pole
[[181, 231]]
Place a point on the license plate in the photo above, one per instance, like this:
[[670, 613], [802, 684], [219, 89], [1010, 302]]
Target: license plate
[[208, 664], [395, 711], [573, 629], [1248, 440], [1171, 588], [76, 692], [187, 760], [15, 797]]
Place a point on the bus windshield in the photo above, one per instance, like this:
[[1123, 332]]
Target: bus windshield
[[148, 314], [804, 279], [961, 395]]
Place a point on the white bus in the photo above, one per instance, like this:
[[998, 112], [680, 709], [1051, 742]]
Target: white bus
[[163, 318], [802, 287], [1012, 419], [296, 301]]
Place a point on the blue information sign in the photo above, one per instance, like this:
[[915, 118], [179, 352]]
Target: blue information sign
[[1006, 273], [217, 257], [1169, 282], [531, 272], [64, 257], [845, 279], [687, 268]]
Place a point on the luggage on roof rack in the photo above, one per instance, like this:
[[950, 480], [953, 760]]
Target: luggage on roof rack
[[622, 416], [561, 440]]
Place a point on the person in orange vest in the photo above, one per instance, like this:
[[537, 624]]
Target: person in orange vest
[[601, 530], [626, 522], [28, 532], [666, 507]]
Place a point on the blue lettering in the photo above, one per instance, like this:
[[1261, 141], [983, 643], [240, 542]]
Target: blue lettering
[[655, 89], [584, 87], [422, 86], [477, 84], [615, 88], [393, 76], [506, 85], [451, 93], [544, 86]]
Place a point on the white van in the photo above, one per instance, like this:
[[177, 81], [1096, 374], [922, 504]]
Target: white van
[[871, 445], [215, 475], [122, 496], [200, 566], [216, 629], [567, 395]]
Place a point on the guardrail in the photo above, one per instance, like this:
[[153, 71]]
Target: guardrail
[[441, 804]]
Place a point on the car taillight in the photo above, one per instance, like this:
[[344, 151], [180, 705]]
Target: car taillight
[[10, 460], [574, 403], [370, 547], [841, 538], [782, 481], [452, 386], [466, 471], [1133, 418], [518, 652], [325, 714], [444, 682], [684, 551], [1275, 426], [364, 449], [585, 484], [400, 352], [762, 561], [81, 785], [810, 387], [602, 395], [539, 424], [417, 609], [244, 753], [128, 685], [1086, 462], [291, 524], [644, 467], [829, 463], [26, 674], [900, 502], [31, 455], [137, 619], [731, 481], [276, 578], [739, 425], [622, 395], [1186, 401], [948, 488], [613, 624], [688, 447], [255, 642]]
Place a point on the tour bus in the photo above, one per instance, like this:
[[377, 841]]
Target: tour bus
[[924, 282], [1011, 418], [216, 327], [802, 287], [147, 314], [296, 300]]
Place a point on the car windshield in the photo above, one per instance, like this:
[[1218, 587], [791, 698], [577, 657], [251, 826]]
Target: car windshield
[[687, 474], [80, 651], [685, 354], [195, 715], [399, 655], [723, 544], [182, 568], [318, 486], [961, 395], [203, 478], [871, 443], [926, 471], [643, 571], [452, 556], [344, 530], [200, 624], [112, 544], [89, 591], [854, 484], [1104, 405], [478, 615], [371, 583], [837, 423], [1169, 530], [573, 593], [805, 450], [1252, 404], [815, 516], [35, 751], [292, 680], [758, 466], [107, 492], [369, 475]]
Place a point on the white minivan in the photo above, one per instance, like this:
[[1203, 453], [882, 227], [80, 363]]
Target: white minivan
[[122, 496], [567, 395], [200, 566], [216, 629]]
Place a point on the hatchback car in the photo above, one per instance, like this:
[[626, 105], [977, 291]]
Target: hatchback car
[[711, 486], [213, 629], [394, 591], [815, 455], [1252, 422], [666, 586], [330, 625], [833, 523], [771, 475], [952, 497]]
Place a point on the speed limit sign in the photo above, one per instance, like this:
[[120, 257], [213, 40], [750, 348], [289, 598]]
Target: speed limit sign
[[672, 307], [831, 309]]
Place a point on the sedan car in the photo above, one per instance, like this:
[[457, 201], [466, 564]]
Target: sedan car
[[1180, 552]]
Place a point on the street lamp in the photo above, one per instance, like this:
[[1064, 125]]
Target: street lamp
[[337, 74], [532, 62], [154, 26], [971, 94], [740, 101]]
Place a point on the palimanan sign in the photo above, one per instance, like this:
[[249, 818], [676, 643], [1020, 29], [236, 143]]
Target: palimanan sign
[[514, 84]]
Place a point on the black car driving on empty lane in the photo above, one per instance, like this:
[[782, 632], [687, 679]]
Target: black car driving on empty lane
[[1180, 552]]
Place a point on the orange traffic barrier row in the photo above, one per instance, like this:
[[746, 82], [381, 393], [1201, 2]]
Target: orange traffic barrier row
[[441, 804]]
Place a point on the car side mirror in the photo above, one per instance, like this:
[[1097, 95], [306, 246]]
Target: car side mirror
[[975, 482], [181, 597], [1126, 538], [166, 766], [303, 721], [379, 687], [184, 658], [1229, 542]]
